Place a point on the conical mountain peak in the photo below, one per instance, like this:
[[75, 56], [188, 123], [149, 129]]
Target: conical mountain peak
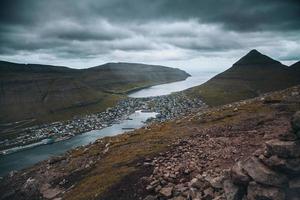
[[254, 57]]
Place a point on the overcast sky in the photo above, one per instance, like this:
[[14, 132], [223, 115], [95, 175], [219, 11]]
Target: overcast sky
[[192, 34]]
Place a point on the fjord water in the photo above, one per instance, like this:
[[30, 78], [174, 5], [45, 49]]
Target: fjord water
[[28, 157], [165, 89]]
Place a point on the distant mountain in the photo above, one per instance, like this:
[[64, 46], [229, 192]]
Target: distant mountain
[[252, 75], [47, 93]]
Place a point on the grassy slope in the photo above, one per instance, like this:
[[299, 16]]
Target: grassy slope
[[49, 93], [127, 149], [252, 75]]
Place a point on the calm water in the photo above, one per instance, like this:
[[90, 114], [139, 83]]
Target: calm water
[[26, 158], [165, 89]]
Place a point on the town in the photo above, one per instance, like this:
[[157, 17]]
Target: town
[[168, 107]]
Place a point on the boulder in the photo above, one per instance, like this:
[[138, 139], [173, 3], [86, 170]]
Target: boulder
[[262, 174], [257, 191], [232, 191], [296, 122], [289, 166], [288, 136], [283, 149], [238, 175]]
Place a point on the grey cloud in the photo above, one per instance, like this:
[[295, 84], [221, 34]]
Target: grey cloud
[[145, 30], [93, 30], [234, 14]]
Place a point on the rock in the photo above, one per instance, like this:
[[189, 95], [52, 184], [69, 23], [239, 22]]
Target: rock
[[200, 184], [166, 192], [262, 174], [179, 189], [220, 197], [288, 136], [154, 183], [208, 194], [157, 189], [193, 194], [150, 197], [238, 175], [289, 166], [216, 182], [283, 149], [257, 191], [296, 122], [30, 185], [150, 188], [48, 192], [179, 198], [31, 188], [232, 191]]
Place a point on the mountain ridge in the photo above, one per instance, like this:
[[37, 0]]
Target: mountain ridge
[[48, 93]]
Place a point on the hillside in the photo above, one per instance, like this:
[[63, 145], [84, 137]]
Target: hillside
[[47, 93], [177, 159], [250, 76]]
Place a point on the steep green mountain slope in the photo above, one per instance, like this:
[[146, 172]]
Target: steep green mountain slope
[[250, 76], [47, 93]]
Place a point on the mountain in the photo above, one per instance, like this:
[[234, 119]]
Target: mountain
[[47, 93], [252, 75]]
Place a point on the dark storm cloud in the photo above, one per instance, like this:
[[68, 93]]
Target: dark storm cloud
[[236, 14], [144, 29]]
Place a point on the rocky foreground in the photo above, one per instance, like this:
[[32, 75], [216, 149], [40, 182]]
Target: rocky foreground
[[244, 150], [190, 171]]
